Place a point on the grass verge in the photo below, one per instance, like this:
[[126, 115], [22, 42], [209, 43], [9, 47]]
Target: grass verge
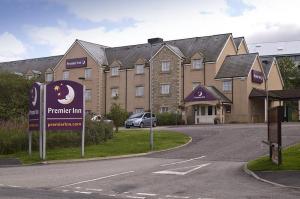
[[290, 161], [124, 143]]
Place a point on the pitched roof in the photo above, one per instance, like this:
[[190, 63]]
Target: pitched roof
[[206, 93], [37, 64], [97, 51], [236, 66], [237, 41], [275, 48], [266, 63], [209, 46], [290, 94]]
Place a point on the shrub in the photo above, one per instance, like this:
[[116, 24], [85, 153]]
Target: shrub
[[14, 136], [118, 115], [169, 118]]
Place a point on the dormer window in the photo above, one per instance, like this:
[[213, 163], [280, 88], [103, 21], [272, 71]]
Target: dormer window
[[139, 69], [197, 64], [114, 71], [49, 77]]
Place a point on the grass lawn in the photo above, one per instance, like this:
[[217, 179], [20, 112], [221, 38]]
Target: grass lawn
[[290, 161], [124, 143]]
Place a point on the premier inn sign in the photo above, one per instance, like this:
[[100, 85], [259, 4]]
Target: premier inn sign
[[34, 107], [64, 105], [257, 76], [76, 63]]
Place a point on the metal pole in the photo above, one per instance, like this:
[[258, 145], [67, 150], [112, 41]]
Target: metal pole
[[41, 119], [44, 125], [83, 125], [30, 142], [150, 101]]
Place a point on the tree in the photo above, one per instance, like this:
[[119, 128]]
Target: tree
[[289, 72], [118, 115], [14, 97]]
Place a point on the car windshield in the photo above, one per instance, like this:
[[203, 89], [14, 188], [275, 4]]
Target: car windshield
[[136, 115]]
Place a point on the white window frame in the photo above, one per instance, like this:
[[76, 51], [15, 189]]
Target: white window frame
[[165, 89], [114, 71], [139, 110], [164, 109], [47, 77], [195, 84], [66, 75], [87, 73], [227, 86], [197, 64], [139, 91], [165, 66], [139, 69], [114, 92], [88, 94]]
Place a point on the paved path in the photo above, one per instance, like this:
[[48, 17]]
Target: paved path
[[209, 167]]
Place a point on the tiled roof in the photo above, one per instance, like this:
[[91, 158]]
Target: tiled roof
[[266, 63], [237, 41], [38, 64], [236, 66], [97, 51], [209, 46]]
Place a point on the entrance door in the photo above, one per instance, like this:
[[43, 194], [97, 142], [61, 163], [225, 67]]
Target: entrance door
[[205, 114]]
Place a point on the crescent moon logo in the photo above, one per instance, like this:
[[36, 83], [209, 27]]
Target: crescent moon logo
[[200, 93], [69, 97], [35, 97]]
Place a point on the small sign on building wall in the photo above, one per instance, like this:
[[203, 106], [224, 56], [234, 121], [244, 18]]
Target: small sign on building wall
[[257, 76], [76, 63]]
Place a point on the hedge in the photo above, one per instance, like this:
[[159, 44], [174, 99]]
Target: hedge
[[14, 137], [169, 118]]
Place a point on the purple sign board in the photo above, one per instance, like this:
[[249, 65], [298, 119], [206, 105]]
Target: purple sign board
[[34, 107], [76, 63], [64, 109], [257, 76], [200, 93]]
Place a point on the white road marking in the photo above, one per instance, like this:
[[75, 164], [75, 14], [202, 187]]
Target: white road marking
[[175, 172], [184, 161], [183, 197], [88, 189], [147, 194], [77, 187], [14, 186], [113, 195], [1, 184], [92, 180], [65, 190], [84, 192], [136, 197]]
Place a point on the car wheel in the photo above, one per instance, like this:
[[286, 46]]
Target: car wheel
[[141, 125], [127, 127], [154, 124]]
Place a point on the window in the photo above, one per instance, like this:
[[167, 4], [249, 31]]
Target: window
[[49, 77], [164, 109], [66, 75], [114, 92], [203, 110], [139, 91], [197, 64], [209, 110], [88, 73], [227, 86], [147, 115], [165, 89], [88, 94], [195, 84], [165, 66], [227, 108], [139, 110], [114, 71], [139, 69]]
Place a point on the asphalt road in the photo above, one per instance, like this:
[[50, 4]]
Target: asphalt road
[[209, 167]]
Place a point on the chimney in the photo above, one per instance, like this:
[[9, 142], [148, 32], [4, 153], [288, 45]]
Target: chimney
[[155, 40]]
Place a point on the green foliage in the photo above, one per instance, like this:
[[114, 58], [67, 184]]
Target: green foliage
[[14, 137], [168, 118], [118, 115], [14, 98], [289, 72]]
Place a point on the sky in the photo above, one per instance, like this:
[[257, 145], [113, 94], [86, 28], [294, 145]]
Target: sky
[[39, 28]]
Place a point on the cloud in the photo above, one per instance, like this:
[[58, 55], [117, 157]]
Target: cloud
[[10, 47], [169, 19]]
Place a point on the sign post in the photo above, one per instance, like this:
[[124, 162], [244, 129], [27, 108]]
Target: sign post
[[274, 133], [64, 109], [34, 116]]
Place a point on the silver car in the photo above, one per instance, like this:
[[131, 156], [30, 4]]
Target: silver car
[[141, 120]]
